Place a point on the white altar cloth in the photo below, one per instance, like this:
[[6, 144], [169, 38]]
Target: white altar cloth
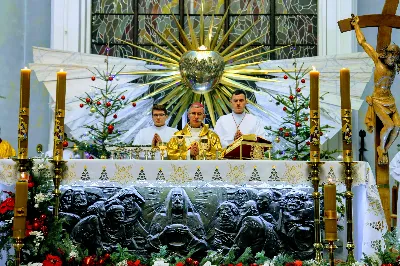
[[368, 216]]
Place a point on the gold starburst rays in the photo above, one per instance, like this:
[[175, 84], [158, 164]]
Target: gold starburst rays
[[203, 68]]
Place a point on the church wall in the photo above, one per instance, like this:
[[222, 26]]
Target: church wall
[[23, 24]]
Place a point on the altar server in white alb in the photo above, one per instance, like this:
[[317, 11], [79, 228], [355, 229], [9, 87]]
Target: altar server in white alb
[[158, 133], [231, 126]]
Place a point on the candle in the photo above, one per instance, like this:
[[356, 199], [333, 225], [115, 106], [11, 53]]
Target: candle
[[346, 114], [23, 123], [59, 115], [20, 208], [330, 215], [314, 116]]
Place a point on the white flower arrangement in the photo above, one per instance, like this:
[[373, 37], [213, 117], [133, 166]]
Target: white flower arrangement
[[41, 197], [122, 263], [160, 262], [38, 239]]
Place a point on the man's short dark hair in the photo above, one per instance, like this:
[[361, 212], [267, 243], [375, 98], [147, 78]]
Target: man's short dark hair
[[238, 92], [159, 107]]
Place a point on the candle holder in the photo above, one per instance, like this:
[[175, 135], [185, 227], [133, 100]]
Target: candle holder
[[58, 172], [153, 153], [331, 249], [317, 209], [348, 172], [163, 147], [20, 213], [18, 245]]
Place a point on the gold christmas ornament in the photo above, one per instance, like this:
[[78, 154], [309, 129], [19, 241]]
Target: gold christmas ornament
[[92, 109], [277, 139]]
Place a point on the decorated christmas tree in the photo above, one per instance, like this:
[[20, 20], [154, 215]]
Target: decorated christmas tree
[[104, 104], [294, 130]]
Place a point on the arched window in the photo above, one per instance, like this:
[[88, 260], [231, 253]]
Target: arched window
[[282, 21]]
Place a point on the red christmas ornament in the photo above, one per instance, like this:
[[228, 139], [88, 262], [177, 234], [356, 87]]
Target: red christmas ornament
[[36, 226], [189, 261], [81, 105], [303, 81], [110, 78], [291, 97], [43, 217], [88, 100], [98, 102], [298, 90], [123, 97], [115, 116], [308, 143], [195, 263], [91, 157], [44, 229], [110, 127], [294, 158], [134, 104], [305, 118], [93, 78], [106, 256], [281, 129], [108, 104], [284, 108], [65, 143], [287, 134], [285, 77], [297, 124]]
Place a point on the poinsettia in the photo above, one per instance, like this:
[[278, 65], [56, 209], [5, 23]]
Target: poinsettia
[[52, 261], [7, 205], [131, 263]]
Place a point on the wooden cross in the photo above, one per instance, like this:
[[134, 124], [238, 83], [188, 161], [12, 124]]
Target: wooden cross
[[385, 23]]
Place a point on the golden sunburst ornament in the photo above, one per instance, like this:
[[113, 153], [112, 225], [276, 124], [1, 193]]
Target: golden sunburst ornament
[[202, 69]]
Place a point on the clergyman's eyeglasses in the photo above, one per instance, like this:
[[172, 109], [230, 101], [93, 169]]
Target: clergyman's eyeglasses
[[158, 115]]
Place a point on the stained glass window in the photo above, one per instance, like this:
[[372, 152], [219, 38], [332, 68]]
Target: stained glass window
[[279, 22]]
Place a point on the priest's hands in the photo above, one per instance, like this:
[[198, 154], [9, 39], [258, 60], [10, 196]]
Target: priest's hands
[[194, 149], [156, 140], [238, 134]]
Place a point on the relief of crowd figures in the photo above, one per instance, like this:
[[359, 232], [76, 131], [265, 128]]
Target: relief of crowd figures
[[190, 219]]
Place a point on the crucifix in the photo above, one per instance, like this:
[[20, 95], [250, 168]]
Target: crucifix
[[382, 114]]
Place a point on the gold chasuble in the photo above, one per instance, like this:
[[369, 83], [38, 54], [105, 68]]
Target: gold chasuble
[[6, 150], [208, 141]]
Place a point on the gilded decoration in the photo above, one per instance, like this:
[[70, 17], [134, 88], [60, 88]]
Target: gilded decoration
[[22, 130], [58, 132], [236, 173], [257, 152], [69, 173], [293, 174], [123, 174], [8, 173], [179, 174]]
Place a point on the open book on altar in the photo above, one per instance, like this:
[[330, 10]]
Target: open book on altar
[[248, 147]]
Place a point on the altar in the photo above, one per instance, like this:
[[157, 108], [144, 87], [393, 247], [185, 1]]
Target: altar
[[209, 184]]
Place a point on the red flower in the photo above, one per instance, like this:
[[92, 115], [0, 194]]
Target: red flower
[[131, 263], [28, 228], [52, 261], [180, 264], [7, 205], [298, 263]]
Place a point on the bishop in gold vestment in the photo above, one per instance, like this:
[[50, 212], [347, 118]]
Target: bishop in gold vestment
[[194, 139], [6, 150]]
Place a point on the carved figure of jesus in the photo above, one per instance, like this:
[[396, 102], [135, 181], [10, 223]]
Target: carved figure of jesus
[[382, 102]]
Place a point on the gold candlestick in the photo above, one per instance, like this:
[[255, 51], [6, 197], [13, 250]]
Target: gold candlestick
[[315, 159], [347, 157], [331, 249], [21, 187], [59, 138], [318, 247]]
